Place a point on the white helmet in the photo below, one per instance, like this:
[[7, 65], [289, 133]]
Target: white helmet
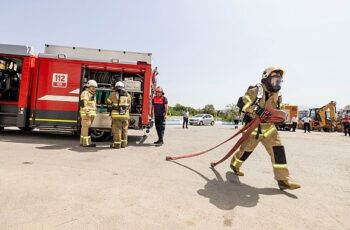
[[91, 83], [119, 84]]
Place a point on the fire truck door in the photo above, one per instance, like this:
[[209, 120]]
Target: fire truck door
[[57, 94]]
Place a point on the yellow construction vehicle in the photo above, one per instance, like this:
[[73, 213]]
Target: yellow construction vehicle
[[324, 118]]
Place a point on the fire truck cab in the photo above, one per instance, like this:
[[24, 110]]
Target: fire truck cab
[[16, 67], [43, 91]]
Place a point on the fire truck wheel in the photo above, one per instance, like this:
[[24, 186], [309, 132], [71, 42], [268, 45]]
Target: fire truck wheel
[[99, 135], [26, 129]]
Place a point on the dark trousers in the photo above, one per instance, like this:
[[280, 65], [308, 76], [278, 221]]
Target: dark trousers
[[160, 126], [346, 127], [306, 126], [294, 126], [185, 122]]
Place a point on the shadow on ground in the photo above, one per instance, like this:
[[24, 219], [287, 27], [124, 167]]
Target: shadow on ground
[[229, 193], [57, 141]]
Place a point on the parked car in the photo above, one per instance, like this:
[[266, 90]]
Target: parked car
[[202, 119]]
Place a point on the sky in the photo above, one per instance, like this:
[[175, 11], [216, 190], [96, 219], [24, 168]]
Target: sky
[[207, 52]]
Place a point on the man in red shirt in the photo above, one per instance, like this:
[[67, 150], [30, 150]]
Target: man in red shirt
[[160, 112]]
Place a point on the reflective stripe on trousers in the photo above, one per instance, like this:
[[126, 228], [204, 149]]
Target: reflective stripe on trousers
[[266, 132]]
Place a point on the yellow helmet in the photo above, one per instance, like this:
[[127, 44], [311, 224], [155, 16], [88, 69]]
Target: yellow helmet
[[270, 70]]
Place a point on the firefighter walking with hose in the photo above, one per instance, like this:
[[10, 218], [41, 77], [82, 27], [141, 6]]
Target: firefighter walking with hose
[[253, 103]]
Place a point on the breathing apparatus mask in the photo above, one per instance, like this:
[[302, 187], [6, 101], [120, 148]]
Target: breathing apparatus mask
[[273, 83]]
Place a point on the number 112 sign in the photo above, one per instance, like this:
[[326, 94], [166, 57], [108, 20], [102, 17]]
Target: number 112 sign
[[59, 80]]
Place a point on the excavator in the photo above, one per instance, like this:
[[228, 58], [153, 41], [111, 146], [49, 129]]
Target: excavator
[[324, 118]]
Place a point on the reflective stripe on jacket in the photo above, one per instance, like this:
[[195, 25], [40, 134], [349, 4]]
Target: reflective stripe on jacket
[[121, 105], [87, 103]]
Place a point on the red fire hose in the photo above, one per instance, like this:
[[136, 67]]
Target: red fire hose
[[270, 116]]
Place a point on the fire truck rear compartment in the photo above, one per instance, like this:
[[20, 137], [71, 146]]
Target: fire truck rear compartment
[[134, 84]]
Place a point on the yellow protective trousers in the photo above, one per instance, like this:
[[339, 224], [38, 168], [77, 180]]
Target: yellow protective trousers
[[85, 138], [120, 132], [272, 143]]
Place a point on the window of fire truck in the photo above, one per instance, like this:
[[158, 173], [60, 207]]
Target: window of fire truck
[[10, 77], [106, 79]]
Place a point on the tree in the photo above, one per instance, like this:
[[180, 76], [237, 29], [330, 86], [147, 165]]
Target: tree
[[232, 112], [209, 109], [178, 109]]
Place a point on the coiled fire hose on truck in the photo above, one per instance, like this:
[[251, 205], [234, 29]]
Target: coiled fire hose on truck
[[274, 116]]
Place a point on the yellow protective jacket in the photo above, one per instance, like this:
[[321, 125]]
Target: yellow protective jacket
[[267, 100], [87, 104], [120, 105]]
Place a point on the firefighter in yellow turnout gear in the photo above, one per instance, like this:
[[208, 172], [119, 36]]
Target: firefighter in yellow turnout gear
[[120, 102], [255, 100], [87, 112]]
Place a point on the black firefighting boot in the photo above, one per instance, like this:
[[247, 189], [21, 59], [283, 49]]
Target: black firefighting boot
[[159, 142], [160, 137], [287, 184]]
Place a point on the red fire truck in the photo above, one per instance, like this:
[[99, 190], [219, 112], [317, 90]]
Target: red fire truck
[[42, 91]]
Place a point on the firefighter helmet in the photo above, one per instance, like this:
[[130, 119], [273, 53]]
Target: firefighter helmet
[[267, 72], [119, 84], [91, 83], [272, 84], [159, 89]]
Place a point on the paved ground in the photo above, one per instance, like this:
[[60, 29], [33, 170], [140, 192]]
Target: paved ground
[[48, 182]]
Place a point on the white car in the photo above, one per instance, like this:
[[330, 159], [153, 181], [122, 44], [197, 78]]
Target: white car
[[202, 119]]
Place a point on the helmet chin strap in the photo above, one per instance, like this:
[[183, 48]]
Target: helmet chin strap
[[91, 91]]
